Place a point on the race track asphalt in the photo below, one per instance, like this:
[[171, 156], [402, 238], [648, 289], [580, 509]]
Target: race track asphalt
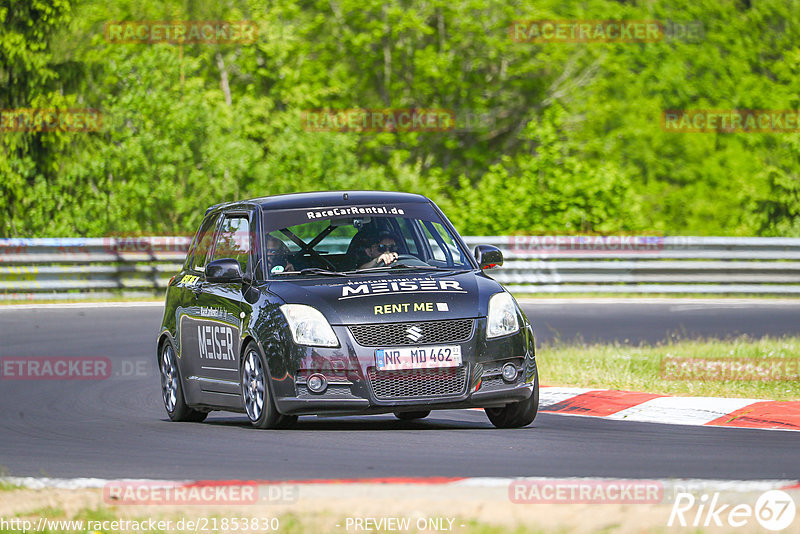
[[117, 427]]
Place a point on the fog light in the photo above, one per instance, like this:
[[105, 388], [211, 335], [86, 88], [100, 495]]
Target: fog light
[[316, 383], [509, 372]]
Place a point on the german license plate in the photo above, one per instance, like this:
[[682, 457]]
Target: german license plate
[[418, 357]]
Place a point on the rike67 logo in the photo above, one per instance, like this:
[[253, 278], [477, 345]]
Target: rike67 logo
[[774, 510]]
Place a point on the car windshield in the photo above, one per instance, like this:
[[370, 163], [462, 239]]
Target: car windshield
[[376, 238]]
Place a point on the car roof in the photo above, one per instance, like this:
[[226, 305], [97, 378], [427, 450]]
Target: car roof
[[318, 199]]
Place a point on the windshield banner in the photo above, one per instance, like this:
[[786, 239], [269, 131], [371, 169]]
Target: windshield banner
[[278, 219]]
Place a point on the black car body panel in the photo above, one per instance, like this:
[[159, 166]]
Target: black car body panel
[[437, 302]]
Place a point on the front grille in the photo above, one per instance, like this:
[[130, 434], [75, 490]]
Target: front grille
[[414, 383], [492, 378], [337, 391], [493, 383], [422, 333], [496, 367]]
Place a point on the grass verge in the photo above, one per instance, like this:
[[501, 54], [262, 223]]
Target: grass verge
[[334, 509], [639, 368]]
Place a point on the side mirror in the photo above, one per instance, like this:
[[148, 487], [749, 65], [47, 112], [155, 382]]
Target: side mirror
[[224, 270], [488, 256]]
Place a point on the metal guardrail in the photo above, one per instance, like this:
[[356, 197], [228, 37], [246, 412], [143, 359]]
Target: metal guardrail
[[647, 264], [79, 268]]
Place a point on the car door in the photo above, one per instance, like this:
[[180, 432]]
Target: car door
[[212, 331], [187, 313]]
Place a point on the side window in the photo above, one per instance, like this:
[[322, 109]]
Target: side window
[[436, 249], [443, 246], [407, 231], [234, 240], [202, 243], [452, 249]]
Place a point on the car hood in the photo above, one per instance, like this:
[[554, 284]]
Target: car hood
[[391, 297]]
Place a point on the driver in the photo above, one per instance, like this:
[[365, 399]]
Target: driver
[[383, 251], [277, 256]]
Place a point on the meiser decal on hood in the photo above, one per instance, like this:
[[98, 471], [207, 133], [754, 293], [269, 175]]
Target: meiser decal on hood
[[451, 296], [382, 287]]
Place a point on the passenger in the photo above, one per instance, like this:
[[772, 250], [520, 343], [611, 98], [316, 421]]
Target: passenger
[[383, 251]]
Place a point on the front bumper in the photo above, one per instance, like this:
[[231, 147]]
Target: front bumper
[[355, 387], [355, 406]]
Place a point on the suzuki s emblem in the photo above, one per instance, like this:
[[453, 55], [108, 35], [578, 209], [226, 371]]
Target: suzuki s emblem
[[414, 333]]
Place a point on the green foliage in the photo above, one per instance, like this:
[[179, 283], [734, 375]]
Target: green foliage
[[547, 186], [569, 141], [29, 78]]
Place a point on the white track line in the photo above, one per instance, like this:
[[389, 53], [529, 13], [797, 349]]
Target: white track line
[[682, 410], [690, 485], [549, 396]]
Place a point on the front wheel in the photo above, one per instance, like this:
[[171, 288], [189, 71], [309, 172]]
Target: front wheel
[[258, 402], [517, 414], [171, 390]]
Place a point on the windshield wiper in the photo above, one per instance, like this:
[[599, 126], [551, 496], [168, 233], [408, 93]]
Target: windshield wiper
[[314, 270], [401, 265]]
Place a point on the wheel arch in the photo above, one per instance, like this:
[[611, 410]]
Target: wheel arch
[[275, 386], [163, 337]]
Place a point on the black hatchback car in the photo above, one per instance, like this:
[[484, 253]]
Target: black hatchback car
[[360, 302]]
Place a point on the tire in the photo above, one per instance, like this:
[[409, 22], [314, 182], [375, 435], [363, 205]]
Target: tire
[[258, 402], [172, 389], [410, 416], [517, 414]]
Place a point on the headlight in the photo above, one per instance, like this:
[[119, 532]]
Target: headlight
[[502, 318], [309, 326]]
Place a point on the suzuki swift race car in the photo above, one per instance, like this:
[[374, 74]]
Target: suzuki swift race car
[[361, 302]]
